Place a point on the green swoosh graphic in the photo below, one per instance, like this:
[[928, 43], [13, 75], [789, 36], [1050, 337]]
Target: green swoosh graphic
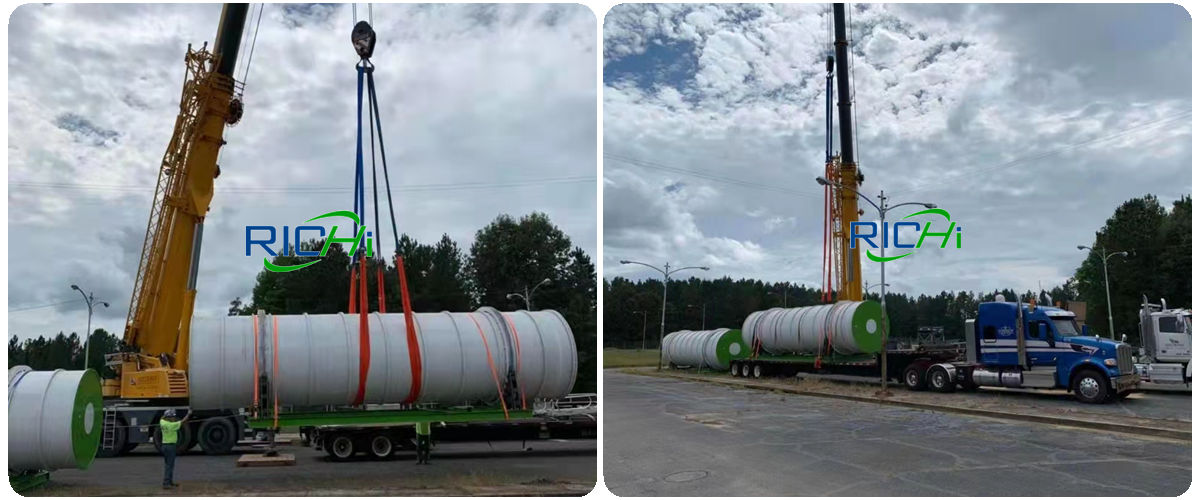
[[938, 211], [283, 269], [338, 213], [885, 259]]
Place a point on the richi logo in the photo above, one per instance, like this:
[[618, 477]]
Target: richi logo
[[269, 232], [870, 231]]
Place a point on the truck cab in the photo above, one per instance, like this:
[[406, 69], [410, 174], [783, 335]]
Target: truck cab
[[1032, 346], [1166, 353]]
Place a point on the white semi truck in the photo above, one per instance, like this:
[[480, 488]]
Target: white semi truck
[[1166, 353]]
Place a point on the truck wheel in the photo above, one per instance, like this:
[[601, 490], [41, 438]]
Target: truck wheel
[[381, 446], [746, 370], [939, 380], [734, 369], [1090, 386], [913, 379], [183, 443], [217, 436], [758, 371], [120, 437], [340, 447]]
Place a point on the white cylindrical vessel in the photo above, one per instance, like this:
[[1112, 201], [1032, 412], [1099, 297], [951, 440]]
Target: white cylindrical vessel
[[318, 357], [845, 327], [54, 419], [711, 349]]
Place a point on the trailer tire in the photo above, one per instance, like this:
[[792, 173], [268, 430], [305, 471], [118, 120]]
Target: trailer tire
[[340, 447], [735, 369], [1090, 386], [913, 379], [940, 380], [746, 370], [758, 371], [120, 441], [217, 436], [381, 446]]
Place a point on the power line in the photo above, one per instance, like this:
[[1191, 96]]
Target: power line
[[708, 176], [41, 306]]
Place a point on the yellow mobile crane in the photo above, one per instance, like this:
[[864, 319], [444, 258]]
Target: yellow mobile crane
[[154, 377]]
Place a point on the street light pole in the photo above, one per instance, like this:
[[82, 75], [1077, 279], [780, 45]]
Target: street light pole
[[666, 272], [90, 300], [528, 295], [1107, 297], [883, 208]]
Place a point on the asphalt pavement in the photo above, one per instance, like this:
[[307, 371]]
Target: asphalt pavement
[[550, 467], [681, 438]]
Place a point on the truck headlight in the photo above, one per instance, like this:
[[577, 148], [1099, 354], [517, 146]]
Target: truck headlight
[[1110, 362]]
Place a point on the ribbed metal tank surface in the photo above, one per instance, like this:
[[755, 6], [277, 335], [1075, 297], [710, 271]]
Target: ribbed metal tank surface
[[711, 349], [54, 418], [318, 357], [848, 327]]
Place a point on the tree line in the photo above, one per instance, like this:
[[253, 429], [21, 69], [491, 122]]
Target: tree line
[[1158, 266], [64, 351]]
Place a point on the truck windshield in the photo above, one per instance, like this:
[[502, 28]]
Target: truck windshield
[[1065, 327]]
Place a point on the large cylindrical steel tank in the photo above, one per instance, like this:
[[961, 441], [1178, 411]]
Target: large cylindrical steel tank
[[711, 349], [54, 418], [846, 327], [319, 356]]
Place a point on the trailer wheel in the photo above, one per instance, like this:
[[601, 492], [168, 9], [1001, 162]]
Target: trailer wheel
[[746, 370], [913, 379], [940, 381], [217, 436], [758, 371], [120, 446], [381, 446], [734, 368], [1090, 386], [339, 447]]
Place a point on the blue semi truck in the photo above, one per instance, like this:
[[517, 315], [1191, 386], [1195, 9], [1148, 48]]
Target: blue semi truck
[[1008, 344]]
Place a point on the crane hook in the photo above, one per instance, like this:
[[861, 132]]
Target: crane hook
[[363, 38]]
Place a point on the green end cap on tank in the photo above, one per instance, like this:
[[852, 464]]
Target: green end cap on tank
[[730, 347], [867, 326], [87, 423]]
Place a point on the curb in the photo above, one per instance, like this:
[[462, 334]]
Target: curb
[[1068, 422]]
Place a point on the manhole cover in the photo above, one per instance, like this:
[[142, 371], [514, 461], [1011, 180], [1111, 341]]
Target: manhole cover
[[687, 475]]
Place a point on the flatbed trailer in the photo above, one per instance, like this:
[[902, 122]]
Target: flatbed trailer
[[903, 363], [380, 431]]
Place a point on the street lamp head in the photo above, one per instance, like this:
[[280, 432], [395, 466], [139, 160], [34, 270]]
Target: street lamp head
[[1123, 254], [704, 268], [1081, 247], [625, 262], [930, 205], [105, 304], [74, 286], [545, 282], [823, 181], [512, 296]]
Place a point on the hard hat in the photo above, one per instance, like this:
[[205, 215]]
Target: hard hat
[[170, 413]]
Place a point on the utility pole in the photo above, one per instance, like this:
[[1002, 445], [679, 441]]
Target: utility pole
[[666, 272], [643, 313]]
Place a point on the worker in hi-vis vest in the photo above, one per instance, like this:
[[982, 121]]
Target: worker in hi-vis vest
[[423, 442], [169, 427]]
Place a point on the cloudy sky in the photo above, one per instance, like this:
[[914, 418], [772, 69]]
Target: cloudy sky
[[486, 109], [1029, 124]]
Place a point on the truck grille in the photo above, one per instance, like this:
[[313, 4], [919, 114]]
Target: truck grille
[[1125, 358]]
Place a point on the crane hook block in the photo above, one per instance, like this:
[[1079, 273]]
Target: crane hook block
[[363, 38]]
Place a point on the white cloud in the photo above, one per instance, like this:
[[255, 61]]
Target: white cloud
[[469, 94]]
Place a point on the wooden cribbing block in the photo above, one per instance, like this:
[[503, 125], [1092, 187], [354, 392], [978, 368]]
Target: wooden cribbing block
[[262, 460]]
